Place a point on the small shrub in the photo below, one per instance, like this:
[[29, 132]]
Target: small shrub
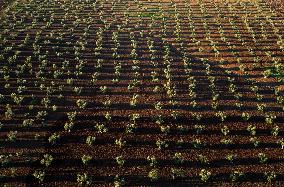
[[153, 174]]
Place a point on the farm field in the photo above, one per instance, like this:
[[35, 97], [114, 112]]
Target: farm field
[[141, 93]]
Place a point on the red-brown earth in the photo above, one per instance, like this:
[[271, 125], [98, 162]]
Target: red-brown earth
[[26, 152]]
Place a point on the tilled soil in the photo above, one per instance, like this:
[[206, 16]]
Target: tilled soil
[[60, 38]]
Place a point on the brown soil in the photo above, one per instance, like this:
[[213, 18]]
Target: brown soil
[[32, 142]]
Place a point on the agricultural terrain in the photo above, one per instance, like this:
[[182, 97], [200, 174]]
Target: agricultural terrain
[[141, 93]]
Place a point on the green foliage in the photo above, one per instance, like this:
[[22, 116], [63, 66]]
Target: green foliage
[[153, 174], [47, 159], [84, 179], [236, 175], [53, 138], [40, 175], [86, 159], [204, 175], [90, 140], [12, 136]]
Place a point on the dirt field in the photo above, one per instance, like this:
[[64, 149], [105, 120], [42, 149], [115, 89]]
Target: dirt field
[[141, 93]]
